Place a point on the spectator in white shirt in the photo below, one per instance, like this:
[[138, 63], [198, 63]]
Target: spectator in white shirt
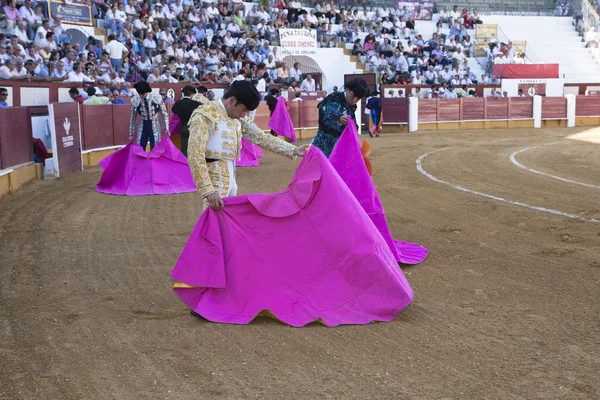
[[116, 17], [130, 10], [40, 34], [59, 72], [116, 51], [154, 77], [494, 93], [76, 75], [28, 17], [7, 70], [591, 38], [459, 59], [167, 77], [229, 40], [298, 98], [308, 84], [454, 15], [402, 64], [21, 32], [262, 83], [144, 64], [149, 44], [450, 93], [69, 61], [445, 17]]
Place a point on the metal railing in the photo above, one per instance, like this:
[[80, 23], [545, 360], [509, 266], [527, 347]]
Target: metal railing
[[590, 19]]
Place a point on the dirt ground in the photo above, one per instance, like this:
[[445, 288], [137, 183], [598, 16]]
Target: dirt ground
[[507, 306]]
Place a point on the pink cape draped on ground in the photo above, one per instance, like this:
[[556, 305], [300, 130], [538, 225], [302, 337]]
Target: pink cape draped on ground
[[334, 266], [281, 122], [249, 155], [348, 161], [133, 172]]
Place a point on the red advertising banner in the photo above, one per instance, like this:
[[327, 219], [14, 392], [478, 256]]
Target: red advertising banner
[[66, 137], [526, 71]]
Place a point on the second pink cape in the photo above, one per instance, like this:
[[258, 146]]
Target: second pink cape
[[131, 171], [348, 161], [281, 122]]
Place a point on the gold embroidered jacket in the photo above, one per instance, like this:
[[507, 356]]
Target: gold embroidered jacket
[[213, 134]]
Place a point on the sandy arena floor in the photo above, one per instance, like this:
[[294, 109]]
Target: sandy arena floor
[[506, 306]]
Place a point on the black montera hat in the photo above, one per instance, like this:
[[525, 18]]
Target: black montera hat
[[142, 87]]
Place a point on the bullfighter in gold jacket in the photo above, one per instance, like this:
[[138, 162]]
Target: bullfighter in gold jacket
[[216, 131]]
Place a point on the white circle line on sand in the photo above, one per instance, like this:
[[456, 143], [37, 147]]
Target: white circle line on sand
[[513, 159], [420, 168]]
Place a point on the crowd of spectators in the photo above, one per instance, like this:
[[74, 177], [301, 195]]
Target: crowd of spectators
[[169, 41], [399, 53], [189, 41]]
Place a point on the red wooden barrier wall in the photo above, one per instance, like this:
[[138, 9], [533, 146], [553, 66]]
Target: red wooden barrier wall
[[587, 106], [473, 109], [521, 107], [554, 108], [16, 146], [395, 110]]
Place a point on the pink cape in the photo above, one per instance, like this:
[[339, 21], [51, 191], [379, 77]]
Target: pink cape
[[348, 161], [281, 122], [334, 266], [249, 155], [133, 172]]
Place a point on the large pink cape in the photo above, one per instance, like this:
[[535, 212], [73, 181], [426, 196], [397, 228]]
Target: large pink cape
[[133, 172], [348, 161], [281, 122], [249, 155], [305, 254]]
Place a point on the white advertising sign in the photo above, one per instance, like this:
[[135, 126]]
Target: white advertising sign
[[298, 42]]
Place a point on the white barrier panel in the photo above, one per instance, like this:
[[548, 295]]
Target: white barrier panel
[[571, 102], [537, 111], [413, 114]]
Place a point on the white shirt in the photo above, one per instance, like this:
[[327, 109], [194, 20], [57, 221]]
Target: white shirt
[[77, 77], [27, 13], [115, 49], [120, 15], [450, 94], [22, 35], [229, 41], [308, 86], [212, 11], [5, 72], [149, 43], [262, 85], [170, 79], [295, 73], [40, 35]]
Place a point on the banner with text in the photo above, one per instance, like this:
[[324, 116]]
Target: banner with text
[[486, 31], [297, 42], [76, 12], [419, 9], [481, 47], [520, 46]]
